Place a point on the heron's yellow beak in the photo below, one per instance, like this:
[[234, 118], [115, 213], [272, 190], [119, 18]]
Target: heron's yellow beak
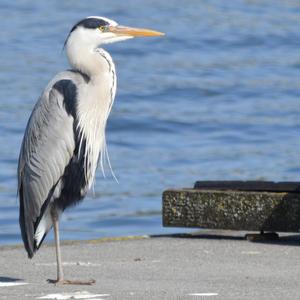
[[136, 32]]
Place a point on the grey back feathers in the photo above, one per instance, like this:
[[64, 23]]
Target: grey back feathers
[[49, 154]]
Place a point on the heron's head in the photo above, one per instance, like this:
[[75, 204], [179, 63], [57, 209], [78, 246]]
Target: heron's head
[[95, 31]]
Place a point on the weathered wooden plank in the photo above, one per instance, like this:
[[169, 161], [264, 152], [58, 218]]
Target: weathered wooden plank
[[236, 210], [237, 185]]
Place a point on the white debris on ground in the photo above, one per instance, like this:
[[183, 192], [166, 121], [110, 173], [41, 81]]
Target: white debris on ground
[[76, 295]]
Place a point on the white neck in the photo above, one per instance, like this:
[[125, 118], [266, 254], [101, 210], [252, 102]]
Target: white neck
[[95, 98], [87, 60], [83, 54]]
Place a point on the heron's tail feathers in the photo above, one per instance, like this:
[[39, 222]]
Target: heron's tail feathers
[[33, 241], [27, 230], [33, 234], [43, 227]]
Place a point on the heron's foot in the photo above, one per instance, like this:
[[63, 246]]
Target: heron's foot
[[72, 282]]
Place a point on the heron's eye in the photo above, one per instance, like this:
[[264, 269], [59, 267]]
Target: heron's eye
[[103, 28]]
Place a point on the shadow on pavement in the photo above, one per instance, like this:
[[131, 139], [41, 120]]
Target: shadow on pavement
[[9, 279], [286, 240]]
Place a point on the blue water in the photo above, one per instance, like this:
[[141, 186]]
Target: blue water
[[217, 98]]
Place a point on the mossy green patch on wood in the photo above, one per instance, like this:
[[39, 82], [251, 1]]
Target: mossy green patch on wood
[[237, 210]]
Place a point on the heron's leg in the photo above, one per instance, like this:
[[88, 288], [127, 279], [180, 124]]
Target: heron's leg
[[55, 220], [60, 274]]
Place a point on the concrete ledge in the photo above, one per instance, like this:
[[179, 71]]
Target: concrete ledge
[[213, 264], [235, 210]]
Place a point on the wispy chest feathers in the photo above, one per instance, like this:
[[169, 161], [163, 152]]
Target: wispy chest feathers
[[95, 101]]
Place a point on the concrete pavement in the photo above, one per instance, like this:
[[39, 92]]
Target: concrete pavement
[[213, 265]]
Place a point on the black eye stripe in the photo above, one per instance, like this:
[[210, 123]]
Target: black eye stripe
[[91, 23]]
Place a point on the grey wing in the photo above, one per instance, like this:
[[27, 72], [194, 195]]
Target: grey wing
[[47, 148]]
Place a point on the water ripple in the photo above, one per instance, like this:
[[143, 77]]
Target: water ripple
[[217, 97]]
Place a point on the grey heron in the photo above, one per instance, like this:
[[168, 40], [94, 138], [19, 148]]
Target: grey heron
[[65, 136]]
